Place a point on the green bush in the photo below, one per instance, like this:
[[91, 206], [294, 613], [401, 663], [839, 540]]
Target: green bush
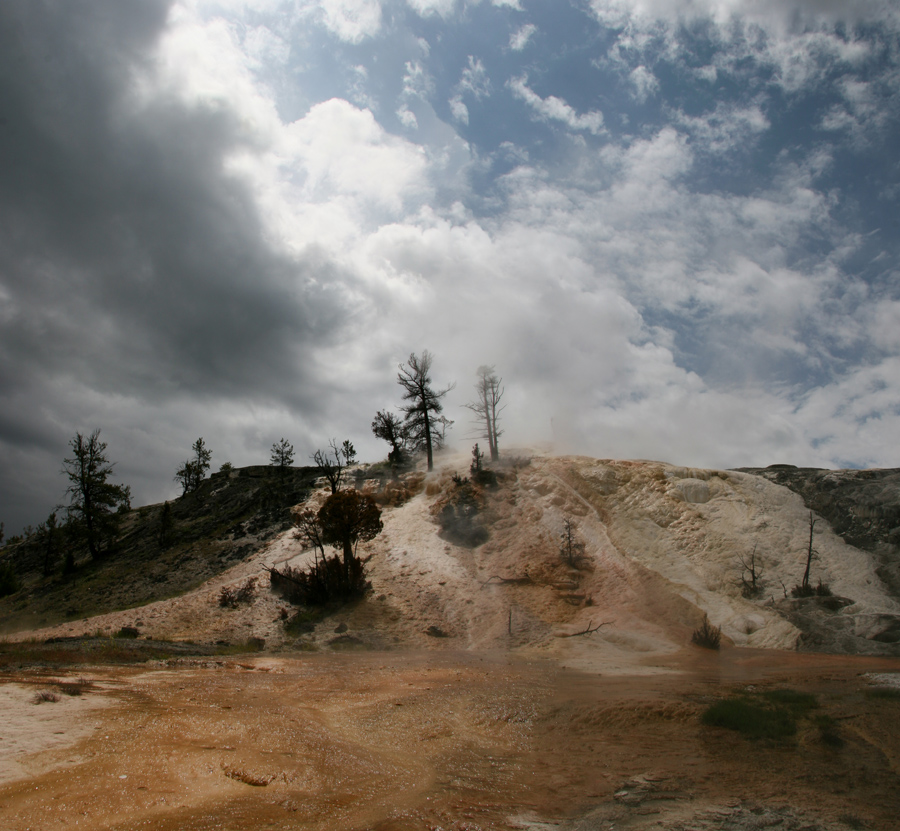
[[769, 714], [797, 701], [751, 719]]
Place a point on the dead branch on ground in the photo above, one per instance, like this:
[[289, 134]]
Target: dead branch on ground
[[588, 631]]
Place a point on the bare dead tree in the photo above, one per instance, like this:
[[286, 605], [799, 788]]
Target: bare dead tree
[[309, 532], [333, 462], [487, 408], [751, 574], [811, 553], [804, 589]]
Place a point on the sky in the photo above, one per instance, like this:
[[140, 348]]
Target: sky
[[670, 225]]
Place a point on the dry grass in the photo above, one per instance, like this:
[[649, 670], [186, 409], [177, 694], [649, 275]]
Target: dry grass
[[45, 696]]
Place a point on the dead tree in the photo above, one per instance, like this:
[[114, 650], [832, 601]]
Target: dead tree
[[333, 462], [811, 554], [750, 566], [487, 409]]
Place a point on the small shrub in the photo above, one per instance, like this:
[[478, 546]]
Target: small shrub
[[74, 688], [128, 632], [45, 695], [233, 596], [459, 517], [808, 590], [828, 731], [797, 701], [327, 581], [480, 474], [750, 719], [801, 590], [707, 636]]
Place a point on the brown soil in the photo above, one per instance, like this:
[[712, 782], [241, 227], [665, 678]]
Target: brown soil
[[462, 741]]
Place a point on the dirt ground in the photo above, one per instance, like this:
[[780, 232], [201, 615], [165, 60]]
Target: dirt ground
[[446, 740]]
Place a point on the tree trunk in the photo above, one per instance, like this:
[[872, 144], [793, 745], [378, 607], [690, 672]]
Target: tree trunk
[[428, 440]]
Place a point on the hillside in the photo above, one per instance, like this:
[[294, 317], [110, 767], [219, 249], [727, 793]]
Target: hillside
[[227, 519], [662, 547]]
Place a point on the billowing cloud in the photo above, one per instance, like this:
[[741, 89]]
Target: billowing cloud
[[233, 219]]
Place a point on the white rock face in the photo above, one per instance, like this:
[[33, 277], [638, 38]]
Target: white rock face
[[693, 490]]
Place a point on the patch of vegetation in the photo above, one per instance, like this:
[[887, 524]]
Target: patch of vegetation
[[798, 702], [62, 652], [329, 581], [160, 552], [819, 590], [751, 719], [571, 548], [74, 688], [127, 632], [828, 731], [884, 693], [459, 514], [480, 474], [707, 636], [9, 583], [44, 696], [233, 596], [771, 714]]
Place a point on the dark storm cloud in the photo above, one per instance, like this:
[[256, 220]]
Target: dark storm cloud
[[131, 264], [129, 259]]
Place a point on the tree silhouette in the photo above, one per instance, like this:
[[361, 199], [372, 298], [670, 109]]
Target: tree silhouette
[[192, 472], [486, 407], [389, 427], [425, 426], [333, 462], [347, 517], [93, 498], [282, 456]]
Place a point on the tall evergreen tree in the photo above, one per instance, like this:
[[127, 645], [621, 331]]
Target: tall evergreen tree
[[282, 457], [93, 498], [424, 425]]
